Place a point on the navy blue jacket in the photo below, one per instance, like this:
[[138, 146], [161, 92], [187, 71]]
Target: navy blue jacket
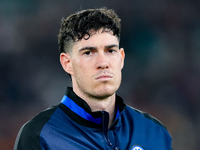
[[72, 125]]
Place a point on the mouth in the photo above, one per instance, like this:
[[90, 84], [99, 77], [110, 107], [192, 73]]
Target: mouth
[[104, 77]]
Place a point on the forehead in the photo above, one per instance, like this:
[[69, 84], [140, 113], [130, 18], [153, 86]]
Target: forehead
[[97, 39]]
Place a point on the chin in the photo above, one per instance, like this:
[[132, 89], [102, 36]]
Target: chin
[[104, 93], [102, 97]]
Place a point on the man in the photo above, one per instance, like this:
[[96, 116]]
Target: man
[[91, 116]]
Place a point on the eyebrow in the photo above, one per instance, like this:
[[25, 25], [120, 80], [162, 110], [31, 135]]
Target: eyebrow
[[93, 48], [87, 48], [111, 46]]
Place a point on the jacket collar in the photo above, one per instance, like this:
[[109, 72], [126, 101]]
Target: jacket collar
[[79, 111]]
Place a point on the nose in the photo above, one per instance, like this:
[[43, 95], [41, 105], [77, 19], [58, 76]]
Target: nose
[[102, 61]]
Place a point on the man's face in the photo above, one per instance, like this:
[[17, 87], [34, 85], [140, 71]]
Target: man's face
[[96, 66]]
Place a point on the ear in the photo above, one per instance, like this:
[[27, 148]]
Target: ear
[[65, 61], [122, 57]]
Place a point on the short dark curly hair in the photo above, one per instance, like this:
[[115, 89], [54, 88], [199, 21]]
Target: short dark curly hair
[[77, 25]]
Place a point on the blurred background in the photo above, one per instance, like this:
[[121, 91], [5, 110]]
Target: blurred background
[[161, 76]]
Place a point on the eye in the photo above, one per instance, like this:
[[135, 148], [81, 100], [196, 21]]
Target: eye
[[111, 50], [87, 53]]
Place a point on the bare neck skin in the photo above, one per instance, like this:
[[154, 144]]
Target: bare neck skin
[[107, 104]]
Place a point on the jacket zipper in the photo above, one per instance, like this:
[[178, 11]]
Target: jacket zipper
[[105, 129]]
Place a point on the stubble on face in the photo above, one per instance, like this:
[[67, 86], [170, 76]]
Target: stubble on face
[[85, 78], [101, 89]]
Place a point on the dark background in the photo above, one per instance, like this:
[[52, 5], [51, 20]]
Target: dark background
[[161, 76]]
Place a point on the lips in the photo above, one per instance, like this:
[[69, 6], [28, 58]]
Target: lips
[[103, 76]]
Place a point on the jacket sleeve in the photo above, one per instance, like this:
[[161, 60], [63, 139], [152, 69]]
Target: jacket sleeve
[[27, 139]]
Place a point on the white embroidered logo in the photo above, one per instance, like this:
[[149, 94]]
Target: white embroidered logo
[[137, 147]]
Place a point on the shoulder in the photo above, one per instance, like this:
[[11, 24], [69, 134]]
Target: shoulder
[[29, 133], [145, 128], [146, 125], [143, 117], [36, 123]]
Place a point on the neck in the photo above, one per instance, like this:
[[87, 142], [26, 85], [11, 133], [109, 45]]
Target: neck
[[106, 104]]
